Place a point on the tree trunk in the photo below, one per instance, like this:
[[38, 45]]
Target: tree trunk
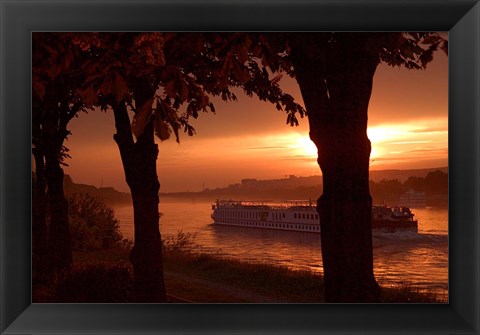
[[336, 83], [49, 124], [39, 220], [60, 240], [139, 163]]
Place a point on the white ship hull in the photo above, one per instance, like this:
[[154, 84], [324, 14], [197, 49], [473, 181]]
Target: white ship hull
[[301, 216], [294, 216]]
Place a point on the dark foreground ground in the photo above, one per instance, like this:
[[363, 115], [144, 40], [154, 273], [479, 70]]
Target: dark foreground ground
[[191, 277]]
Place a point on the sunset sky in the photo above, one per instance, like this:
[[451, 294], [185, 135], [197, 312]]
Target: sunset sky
[[408, 127]]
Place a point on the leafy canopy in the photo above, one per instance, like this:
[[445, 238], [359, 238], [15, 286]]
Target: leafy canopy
[[80, 71], [185, 69]]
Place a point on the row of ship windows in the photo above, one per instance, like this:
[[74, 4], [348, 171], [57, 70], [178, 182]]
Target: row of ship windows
[[252, 215], [271, 225], [243, 215], [305, 216]]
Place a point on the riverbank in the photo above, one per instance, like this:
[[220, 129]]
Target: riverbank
[[191, 277]]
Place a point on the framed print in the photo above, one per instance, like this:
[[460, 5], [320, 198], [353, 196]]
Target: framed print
[[26, 309]]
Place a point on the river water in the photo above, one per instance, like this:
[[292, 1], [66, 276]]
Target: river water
[[420, 260]]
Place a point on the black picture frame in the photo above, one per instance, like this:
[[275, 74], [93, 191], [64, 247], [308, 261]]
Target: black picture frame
[[460, 18]]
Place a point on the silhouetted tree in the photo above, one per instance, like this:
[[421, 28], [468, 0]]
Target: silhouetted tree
[[154, 75], [415, 183], [54, 105], [434, 183], [335, 74], [388, 191]]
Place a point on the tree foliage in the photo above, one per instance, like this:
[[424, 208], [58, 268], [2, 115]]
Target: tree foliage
[[434, 183], [185, 69], [55, 100], [413, 50], [388, 191]]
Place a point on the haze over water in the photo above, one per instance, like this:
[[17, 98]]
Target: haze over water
[[420, 260]]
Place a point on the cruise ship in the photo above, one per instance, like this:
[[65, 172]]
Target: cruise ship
[[300, 216]]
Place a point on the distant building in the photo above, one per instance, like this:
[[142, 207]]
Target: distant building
[[291, 181], [413, 198], [249, 182]]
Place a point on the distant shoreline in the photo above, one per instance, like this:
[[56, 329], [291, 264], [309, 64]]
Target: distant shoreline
[[292, 187]]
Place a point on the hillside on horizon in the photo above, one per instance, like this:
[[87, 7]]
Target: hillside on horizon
[[294, 187], [290, 187], [110, 195], [402, 175]]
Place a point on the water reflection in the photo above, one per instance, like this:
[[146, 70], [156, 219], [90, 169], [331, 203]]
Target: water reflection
[[297, 250]]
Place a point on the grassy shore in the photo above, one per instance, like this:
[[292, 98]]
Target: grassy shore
[[192, 276]]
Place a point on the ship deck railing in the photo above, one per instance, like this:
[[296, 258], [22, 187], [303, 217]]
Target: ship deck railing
[[264, 204]]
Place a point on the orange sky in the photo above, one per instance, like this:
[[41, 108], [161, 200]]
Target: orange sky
[[408, 127]]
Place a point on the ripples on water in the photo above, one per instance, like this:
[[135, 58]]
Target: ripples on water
[[420, 260]]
